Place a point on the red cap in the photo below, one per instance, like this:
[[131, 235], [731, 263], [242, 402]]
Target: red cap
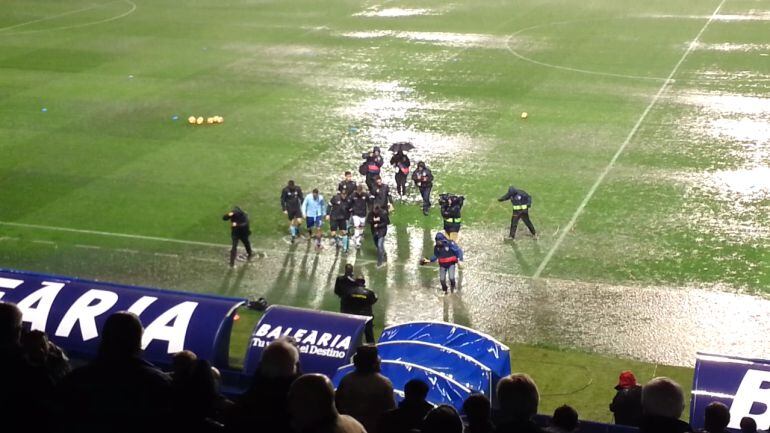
[[626, 380]]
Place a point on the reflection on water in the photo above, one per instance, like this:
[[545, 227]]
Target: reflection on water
[[394, 12], [455, 40]]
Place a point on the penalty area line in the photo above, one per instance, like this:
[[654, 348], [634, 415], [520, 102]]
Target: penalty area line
[[631, 134]]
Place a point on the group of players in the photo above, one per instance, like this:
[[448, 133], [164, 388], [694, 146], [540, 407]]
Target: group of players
[[355, 206]]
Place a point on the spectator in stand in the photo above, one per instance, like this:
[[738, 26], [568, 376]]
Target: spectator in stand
[[662, 405], [24, 389], [181, 365], [264, 404], [410, 412], [118, 391], [222, 405], [365, 394], [717, 417], [311, 405], [42, 354], [194, 400], [748, 425], [518, 397], [477, 409], [442, 419], [627, 404], [564, 420]]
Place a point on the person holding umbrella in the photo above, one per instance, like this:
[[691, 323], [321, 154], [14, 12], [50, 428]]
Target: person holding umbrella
[[401, 162], [423, 179]]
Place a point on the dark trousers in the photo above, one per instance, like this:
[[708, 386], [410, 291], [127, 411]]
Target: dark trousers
[[425, 193], [524, 216], [400, 183], [243, 237], [369, 331], [370, 182]]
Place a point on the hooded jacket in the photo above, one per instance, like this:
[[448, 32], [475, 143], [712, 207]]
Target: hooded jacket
[[447, 252], [373, 162], [423, 177], [518, 197]]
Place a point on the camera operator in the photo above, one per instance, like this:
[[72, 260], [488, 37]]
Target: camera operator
[[451, 208]]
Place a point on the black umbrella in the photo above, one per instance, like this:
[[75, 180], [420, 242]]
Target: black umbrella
[[401, 146]]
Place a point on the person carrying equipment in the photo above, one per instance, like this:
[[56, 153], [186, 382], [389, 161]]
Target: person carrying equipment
[[291, 204], [314, 211], [239, 231], [371, 166], [521, 202], [357, 203], [378, 222], [355, 298], [338, 216], [401, 162], [423, 179], [451, 208], [448, 254]]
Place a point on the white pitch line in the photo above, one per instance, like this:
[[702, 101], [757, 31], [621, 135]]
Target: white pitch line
[[64, 14], [88, 247], [623, 146], [43, 242]]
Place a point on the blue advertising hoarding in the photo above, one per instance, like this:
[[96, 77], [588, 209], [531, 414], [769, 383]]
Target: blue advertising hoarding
[[741, 384], [326, 340], [453, 364], [477, 345], [72, 313], [442, 389]]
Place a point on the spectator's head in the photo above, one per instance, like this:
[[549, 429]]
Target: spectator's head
[[442, 419], [717, 417], [626, 380], [663, 397], [121, 336], [217, 378], [518, 395], [35, 346], [367, 359], [348, 270], [565, 418], [315, 193], [10, 324], [182, 362], [290, 184], [197, 389], [748, 425], [311, 401], [477, 409], [348, 175], [415, 390], [280, 359]]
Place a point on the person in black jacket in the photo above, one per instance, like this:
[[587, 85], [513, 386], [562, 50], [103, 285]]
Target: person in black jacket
[[401, 162], [378, 222], [355, 298], [380, 195], [451, 212], [358, 202], [291, 204], [371, 166], [239, 231], [662, 405], [423, 179], [338, 215], [347, 185], [410, 412], [521, 202], [627, 403]]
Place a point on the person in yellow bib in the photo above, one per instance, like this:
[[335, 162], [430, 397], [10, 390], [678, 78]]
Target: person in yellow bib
[[521, 202]]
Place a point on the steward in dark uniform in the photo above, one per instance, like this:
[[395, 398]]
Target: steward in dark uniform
[[338, 215], [448, 254], [291, 204], [347, 185], [380, 195], [401, 162], [355, 298], [239, 231], [423, 179], [371, 166], [357, 203], [521, 202], [451, 208], [378, 222]]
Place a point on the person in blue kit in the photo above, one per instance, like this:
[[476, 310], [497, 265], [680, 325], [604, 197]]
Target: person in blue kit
[[371, 167], [239, 231], [291, 203], [314, 212], [448, 254], [338, 216], [521, 202]]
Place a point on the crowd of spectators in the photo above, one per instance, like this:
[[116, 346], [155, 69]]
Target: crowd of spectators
[[119, 391]]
